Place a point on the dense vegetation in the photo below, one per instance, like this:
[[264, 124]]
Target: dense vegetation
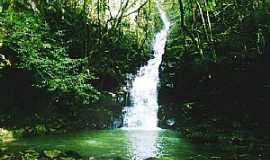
[[220, 61], [215, 74], [67, 61], [64, 65]]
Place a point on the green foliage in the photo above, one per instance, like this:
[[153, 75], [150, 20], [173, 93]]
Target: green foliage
[[219, 63], [230, 34], [111, 51], [29, 155], [63, 57], [36, 51]]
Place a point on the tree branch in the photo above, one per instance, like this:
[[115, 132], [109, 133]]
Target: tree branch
[[136, 10]]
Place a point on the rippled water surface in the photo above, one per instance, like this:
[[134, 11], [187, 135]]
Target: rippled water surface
[[129, 144]]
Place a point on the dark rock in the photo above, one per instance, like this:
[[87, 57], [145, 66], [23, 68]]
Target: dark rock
[[72, 154]]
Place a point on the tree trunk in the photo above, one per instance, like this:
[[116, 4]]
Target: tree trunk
[[182, 18], [208, 20], [203, 20], [34, 5]]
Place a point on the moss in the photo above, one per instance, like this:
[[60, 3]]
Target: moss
[[52, 153], [6, 135]]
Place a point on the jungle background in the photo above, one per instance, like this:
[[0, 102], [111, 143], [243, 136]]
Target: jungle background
[[65, 65]]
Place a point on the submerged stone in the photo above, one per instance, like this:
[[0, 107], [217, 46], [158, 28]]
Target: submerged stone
[[52, 153]]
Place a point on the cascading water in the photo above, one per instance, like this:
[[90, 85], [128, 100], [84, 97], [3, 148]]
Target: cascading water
[[143, 112]]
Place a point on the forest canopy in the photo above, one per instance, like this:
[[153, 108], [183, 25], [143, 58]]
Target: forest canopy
[[69, 55]]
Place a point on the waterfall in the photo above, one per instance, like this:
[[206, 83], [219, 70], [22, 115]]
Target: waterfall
[[144, 89]]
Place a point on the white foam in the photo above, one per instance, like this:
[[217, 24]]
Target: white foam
[[142, 115]]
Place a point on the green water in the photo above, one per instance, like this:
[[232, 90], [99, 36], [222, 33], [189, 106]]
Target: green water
[[129, 144]]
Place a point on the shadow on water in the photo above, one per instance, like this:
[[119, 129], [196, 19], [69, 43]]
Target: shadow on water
[[128, 144]]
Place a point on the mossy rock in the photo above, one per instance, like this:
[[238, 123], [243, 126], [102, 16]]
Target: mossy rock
[[6, 135], [29, 155], [52, 153]]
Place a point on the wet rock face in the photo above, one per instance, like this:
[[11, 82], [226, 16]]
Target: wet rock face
[[101, 119], [168, 116], [117, 123]]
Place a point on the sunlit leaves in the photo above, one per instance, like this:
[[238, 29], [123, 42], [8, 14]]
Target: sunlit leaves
[[28, 36]]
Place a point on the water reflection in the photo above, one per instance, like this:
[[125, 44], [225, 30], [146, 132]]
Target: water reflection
[[143, 144], [113, 144]]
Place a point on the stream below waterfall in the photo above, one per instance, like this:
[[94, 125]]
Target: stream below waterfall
[[121, 144]]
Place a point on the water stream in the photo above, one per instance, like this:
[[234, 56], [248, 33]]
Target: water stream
[[143, 112], [118, 144]]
